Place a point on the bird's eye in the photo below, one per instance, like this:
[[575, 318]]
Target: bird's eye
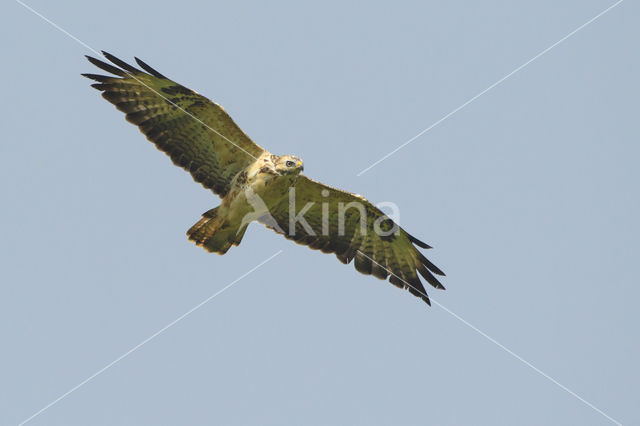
[[290, 163]]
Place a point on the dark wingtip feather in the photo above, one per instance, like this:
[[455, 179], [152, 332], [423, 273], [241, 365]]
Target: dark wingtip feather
[[422, 296], [415, 287], [105, 66], [427, 275], [148, 69], [433, 268], [417, 242], [97, 77], [122, 64]]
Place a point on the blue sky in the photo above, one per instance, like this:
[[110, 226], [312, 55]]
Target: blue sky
[[529, 195]]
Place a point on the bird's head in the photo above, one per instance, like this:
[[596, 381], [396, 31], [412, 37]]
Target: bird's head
[[289, 164]]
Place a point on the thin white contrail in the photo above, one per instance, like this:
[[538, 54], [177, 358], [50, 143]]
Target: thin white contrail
[[58, 27], [363, 171], [144, 342], [500, 345]]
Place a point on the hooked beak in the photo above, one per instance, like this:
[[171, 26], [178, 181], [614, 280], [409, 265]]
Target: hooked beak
[[300, 166]]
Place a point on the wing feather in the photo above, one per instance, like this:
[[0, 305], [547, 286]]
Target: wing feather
[[148, 69], [195, 132], [394, 257]]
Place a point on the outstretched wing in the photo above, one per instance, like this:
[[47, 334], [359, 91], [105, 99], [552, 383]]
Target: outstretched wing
[[195, 132], [378, 245]]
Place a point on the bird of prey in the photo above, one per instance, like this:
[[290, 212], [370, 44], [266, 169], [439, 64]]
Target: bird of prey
[[256, 185]]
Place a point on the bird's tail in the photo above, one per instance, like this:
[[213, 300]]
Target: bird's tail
[[215, 234]]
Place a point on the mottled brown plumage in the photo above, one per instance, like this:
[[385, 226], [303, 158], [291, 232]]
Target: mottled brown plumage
[[254, 184], [195, 132]]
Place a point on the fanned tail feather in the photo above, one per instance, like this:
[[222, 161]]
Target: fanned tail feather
[[214, 234]]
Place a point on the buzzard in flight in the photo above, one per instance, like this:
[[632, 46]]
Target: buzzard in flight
[[256, 185]]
